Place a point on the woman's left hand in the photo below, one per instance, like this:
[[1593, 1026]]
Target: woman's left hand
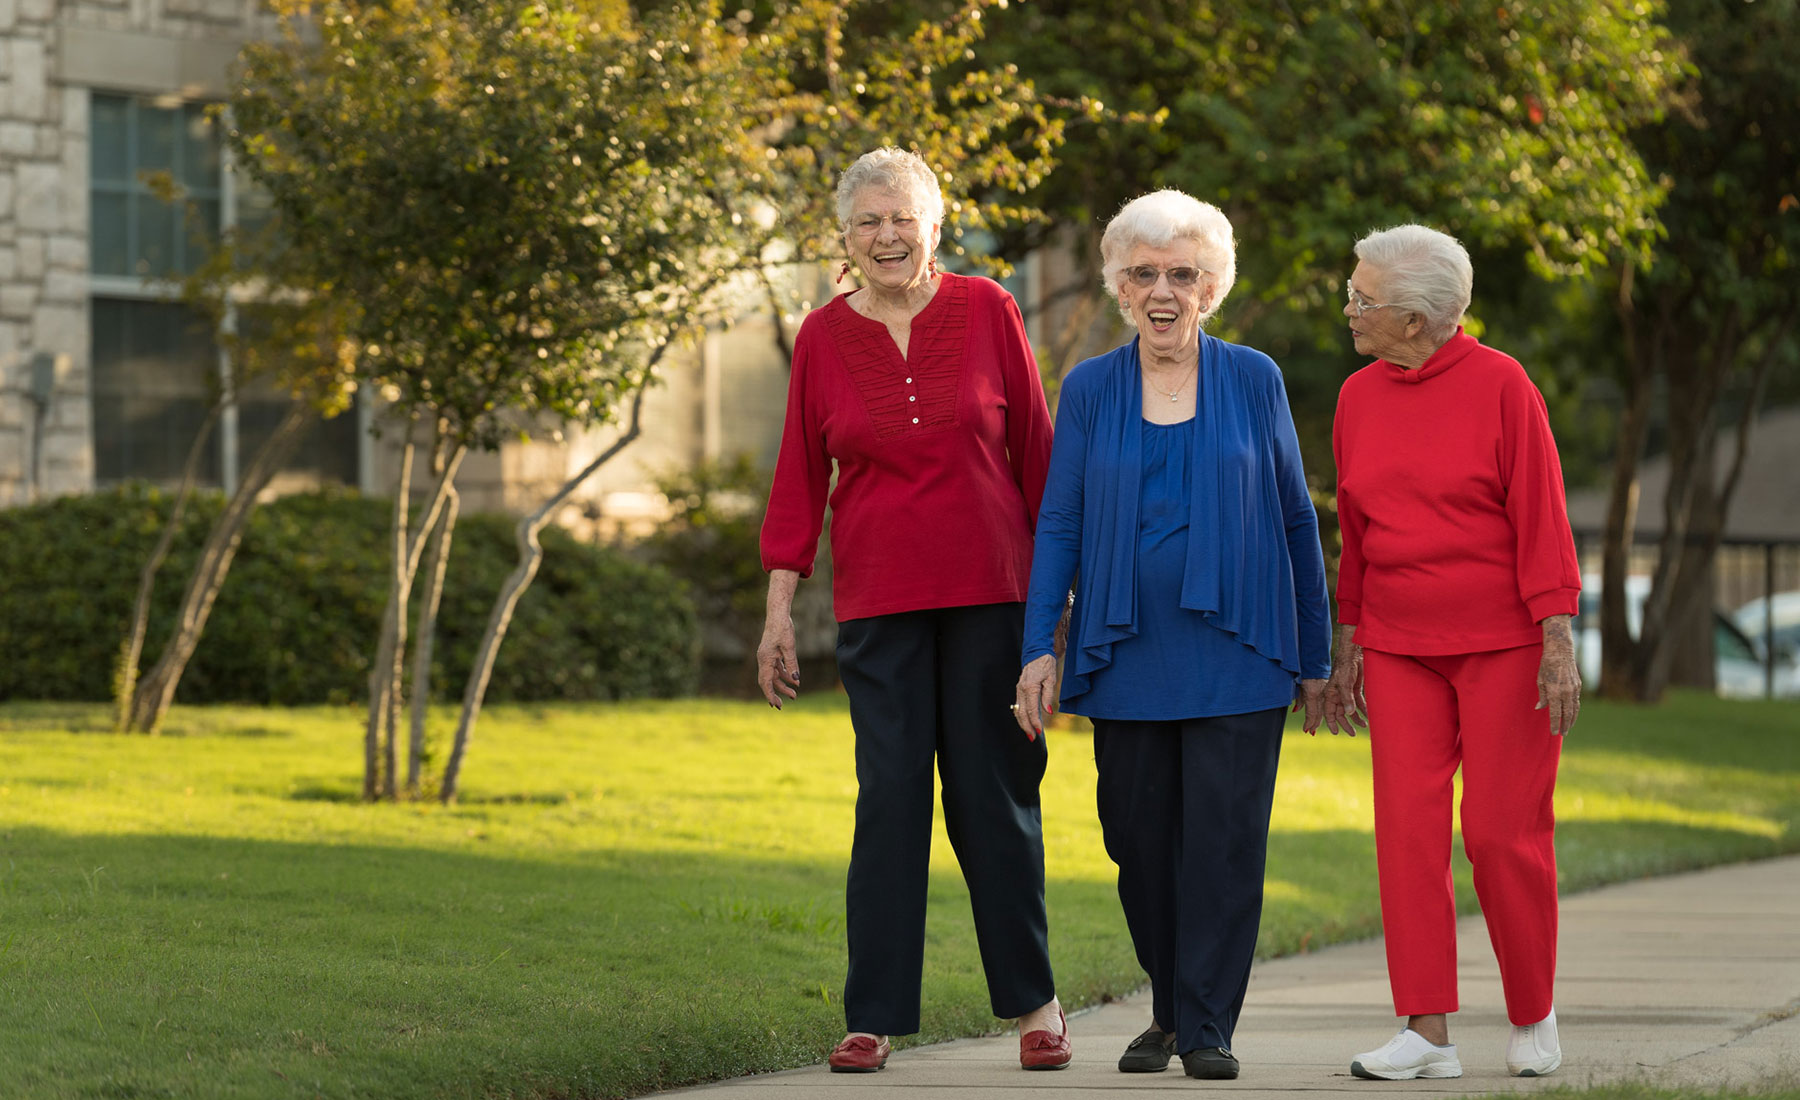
[[1559, 677], [1311, 695], [1035, 695]]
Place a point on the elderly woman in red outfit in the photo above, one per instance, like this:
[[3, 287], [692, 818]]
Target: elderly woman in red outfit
[[921, 387], [1455, 592]]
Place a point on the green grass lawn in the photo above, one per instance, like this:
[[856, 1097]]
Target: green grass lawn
[[630, 897]]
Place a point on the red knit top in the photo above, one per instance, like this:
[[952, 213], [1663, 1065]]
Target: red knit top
[[941, 454], [1450, 499]]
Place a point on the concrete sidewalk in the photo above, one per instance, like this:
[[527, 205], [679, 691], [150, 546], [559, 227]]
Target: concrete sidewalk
[[1691, 980]]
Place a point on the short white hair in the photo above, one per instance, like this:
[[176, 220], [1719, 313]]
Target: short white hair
[[1423, 271], [1157, 219], [892, 169]]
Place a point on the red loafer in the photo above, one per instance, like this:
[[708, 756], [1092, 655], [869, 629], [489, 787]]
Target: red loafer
[[860, 1054], [1045, 1049]]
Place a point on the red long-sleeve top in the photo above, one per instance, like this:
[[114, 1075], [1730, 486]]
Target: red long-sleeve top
[[941, 454], [1450, 499]]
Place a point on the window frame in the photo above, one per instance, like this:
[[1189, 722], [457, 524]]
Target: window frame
[[166, 288]]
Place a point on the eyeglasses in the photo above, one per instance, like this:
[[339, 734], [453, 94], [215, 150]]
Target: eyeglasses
[[867, 225], [1145, 275], [1359, 303]]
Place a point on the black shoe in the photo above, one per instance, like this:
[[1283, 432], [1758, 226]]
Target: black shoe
[[1149, 1052], [1210, 1064]]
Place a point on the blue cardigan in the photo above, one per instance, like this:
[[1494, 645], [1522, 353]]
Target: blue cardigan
[[1254, 567]]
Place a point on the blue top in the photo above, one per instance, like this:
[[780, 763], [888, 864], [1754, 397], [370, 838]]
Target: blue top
[[1202, 583]]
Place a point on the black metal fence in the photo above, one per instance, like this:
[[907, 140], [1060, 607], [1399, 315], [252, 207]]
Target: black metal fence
[[1743, 570]]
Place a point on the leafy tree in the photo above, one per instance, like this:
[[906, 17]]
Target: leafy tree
[[1705, 322], [515, 200], [524, 206], [1312, 123]]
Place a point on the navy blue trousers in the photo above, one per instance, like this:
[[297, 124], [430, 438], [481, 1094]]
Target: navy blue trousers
[[1184, 809], [927, 686]]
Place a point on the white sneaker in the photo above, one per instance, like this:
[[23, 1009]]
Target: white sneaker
[[1533, 1050], [1406, 1056]]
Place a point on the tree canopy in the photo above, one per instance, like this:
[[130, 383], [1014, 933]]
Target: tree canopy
[[522, 205], [1310, 124]]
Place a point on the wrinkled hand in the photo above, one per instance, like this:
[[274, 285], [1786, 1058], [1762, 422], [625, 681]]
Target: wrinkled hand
[[1311, 695], [1559, 678], [1035, 695], [1345, 707], [777, 661]]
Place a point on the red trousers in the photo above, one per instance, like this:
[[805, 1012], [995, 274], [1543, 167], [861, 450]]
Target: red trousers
[[1427, 715]]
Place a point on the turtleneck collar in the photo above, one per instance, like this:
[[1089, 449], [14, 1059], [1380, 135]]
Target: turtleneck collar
[[1453, 351]]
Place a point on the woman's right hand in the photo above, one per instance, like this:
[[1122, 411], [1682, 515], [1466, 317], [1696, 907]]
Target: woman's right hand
[[1035, 695], [1344, 705], [777, 661]]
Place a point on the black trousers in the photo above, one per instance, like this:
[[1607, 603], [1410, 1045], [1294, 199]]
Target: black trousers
[[927, 685], [1184, 809]]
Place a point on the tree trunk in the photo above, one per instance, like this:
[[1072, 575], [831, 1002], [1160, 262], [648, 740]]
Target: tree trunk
[[156, 691], [1618, 645], [385, 673], [1674, 640], [427, 629], [125, 679], [392, 693], [530, 554], [782, 343], [1691, 661], [380, 674]]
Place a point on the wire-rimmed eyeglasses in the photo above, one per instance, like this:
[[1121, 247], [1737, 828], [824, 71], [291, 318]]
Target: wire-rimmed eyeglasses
[[1359, 303], [1145, 275], [867, 225]]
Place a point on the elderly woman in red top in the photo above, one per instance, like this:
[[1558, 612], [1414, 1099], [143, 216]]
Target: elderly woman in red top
[[921, 386], [1455, 590]]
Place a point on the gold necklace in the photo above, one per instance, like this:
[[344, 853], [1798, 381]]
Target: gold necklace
[[1173, 397]]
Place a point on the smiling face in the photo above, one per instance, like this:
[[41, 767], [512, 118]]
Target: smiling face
[[889, 239], [1167, 316]]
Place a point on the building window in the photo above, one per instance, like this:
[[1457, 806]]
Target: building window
[[152, 388], [136, 233], [156, 366]]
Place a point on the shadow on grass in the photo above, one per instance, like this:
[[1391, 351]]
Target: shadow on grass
[[198, 965], [324, 792], [70, 717], [87, 718], [344, 792], [1756, 734], [1595, 853]]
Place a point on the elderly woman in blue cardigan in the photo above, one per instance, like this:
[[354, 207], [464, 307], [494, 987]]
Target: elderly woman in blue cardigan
[[1176, 507]]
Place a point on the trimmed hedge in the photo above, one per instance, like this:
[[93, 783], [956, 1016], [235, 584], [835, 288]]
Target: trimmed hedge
[[296, 621]]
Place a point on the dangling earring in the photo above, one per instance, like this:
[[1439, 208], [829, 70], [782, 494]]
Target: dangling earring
[[842, 271], [931, 267]]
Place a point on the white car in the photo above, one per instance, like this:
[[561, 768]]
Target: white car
[[1738, 671], [1784, 608]]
